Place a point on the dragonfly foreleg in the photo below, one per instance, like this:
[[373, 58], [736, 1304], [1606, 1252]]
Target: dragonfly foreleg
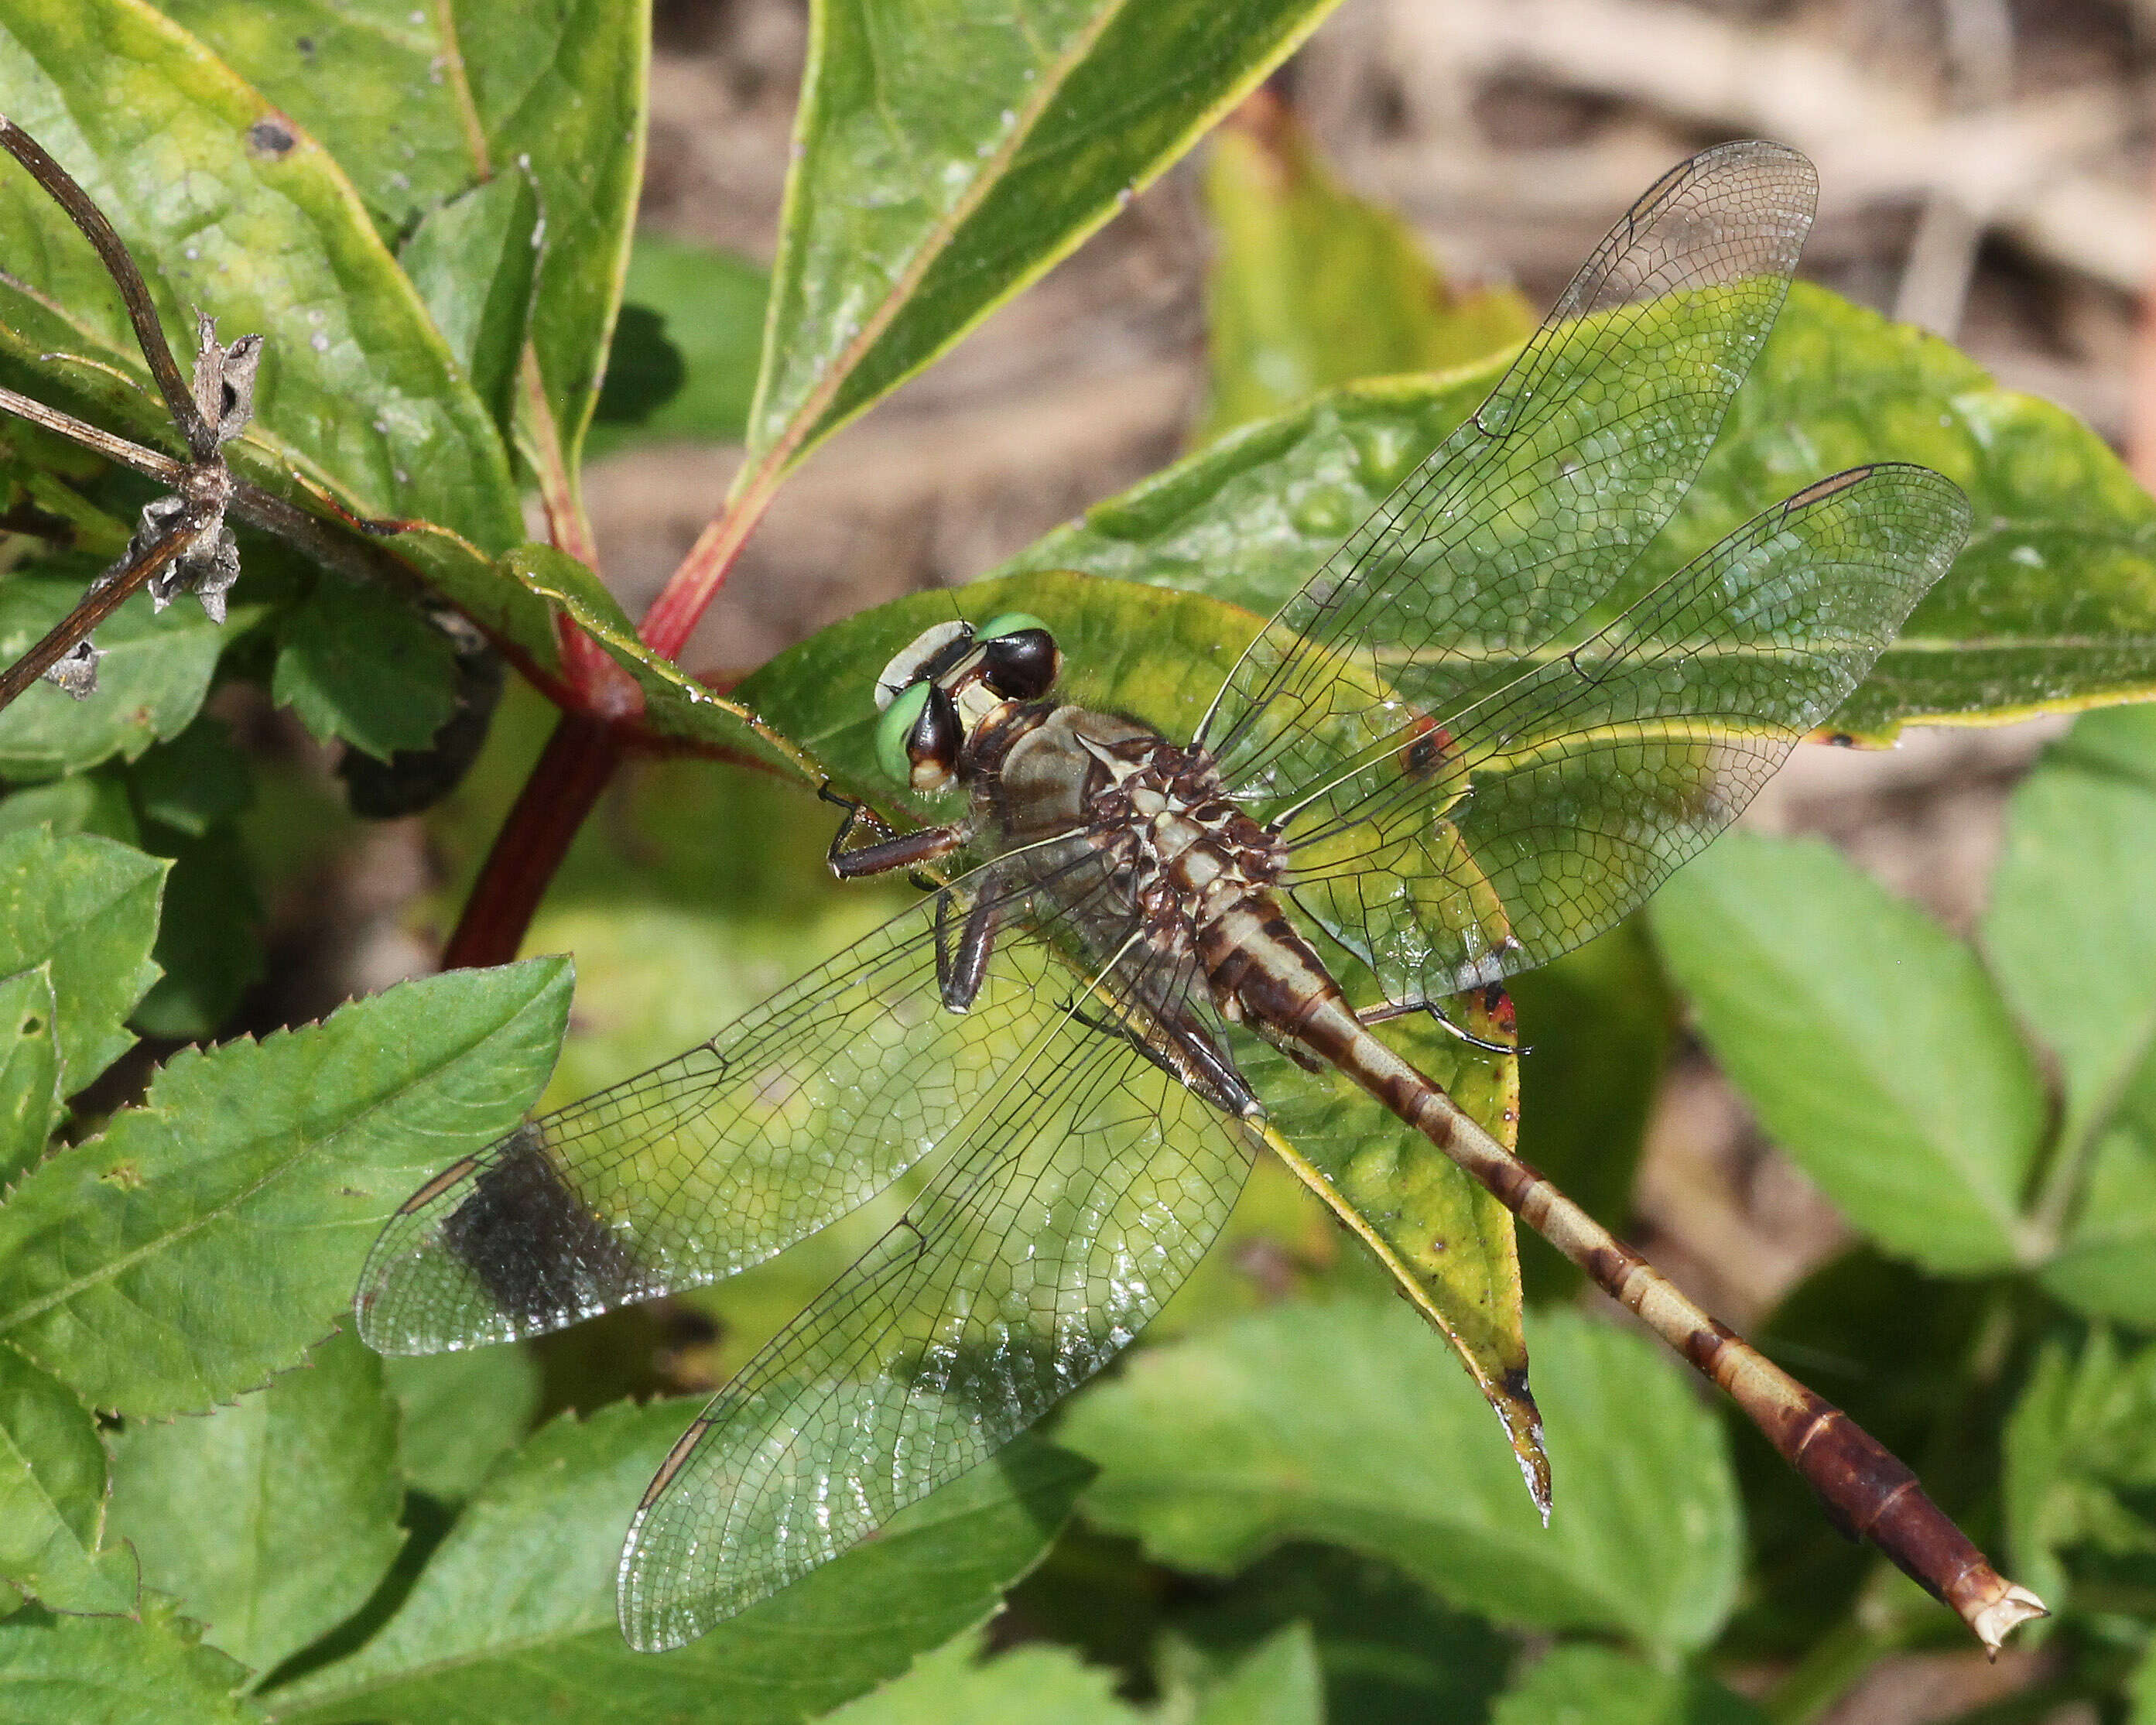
[[892, 851]]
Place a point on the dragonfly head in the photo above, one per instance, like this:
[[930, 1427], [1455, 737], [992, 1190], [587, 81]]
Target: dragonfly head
[[953, 677]]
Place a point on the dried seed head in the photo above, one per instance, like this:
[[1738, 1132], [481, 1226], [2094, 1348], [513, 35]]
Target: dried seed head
[[77, 672], [224, 378]]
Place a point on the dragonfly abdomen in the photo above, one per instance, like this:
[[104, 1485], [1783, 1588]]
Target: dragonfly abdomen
[[1866, 1490]]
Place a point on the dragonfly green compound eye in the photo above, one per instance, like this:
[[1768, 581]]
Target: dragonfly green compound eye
[[1010, 624], [895, 727]]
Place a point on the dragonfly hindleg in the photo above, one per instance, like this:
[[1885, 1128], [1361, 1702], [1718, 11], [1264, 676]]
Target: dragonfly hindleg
[[1385, 1009], [960, 973], [1190, 1058]]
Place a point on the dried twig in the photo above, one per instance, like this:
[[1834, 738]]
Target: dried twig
[[182, 542]]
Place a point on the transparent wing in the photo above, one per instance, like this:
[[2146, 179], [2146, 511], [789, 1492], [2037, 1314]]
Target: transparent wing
[[800, 1111], [1516, 526], [1077, 1199], [1535, 816]]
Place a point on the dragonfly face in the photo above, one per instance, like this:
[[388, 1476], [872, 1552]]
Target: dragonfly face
[[1440, 754], [949, 682]]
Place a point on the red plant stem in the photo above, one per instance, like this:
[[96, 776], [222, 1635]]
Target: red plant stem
[[563, 785], [588, 743]]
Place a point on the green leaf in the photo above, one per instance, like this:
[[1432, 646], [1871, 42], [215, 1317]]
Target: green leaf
[[513, 1618], [366, 78], [644, 369], [2080, 1468], [945, 158], [674, 704], [1279, 1684], [227, 205], [29, 1069], [474, 261], [212, 1235], [458, 1413], [709, 304], [2073, 948], [1448, 1245], [1342, 1423], [150, 683], [2141, 1689], [112, 1671], [88, 906], [198, 781], [2121, 741], [1043, 1685], [93, 803], [1870, 1042], [558, 88], [1595, 1028], [1161, 656], [1595, 1686], [360, 664], [271, 1519], [209, 942], [52, 1497], [1390, 1654], [2052, 605], [2101, 1266], [1311, 285]]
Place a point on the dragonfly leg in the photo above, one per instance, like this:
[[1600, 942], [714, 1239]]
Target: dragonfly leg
[[1189, 1058], [1404, 1008], [1293, 1050], [959, 975], [880, 856]]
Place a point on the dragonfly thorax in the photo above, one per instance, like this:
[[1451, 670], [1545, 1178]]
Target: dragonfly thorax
[[1155, 813], [1182, 841]]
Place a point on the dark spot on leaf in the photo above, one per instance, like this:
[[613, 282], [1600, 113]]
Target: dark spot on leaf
[[305, 44], [269, 136], [32, 1025]]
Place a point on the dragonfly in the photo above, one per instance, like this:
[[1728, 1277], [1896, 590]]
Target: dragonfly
[[1053, 1040]]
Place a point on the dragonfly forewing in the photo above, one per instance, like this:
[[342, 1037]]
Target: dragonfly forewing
[[1078, 1196], [1530, 513], [1549, 808], [797, 1113]]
